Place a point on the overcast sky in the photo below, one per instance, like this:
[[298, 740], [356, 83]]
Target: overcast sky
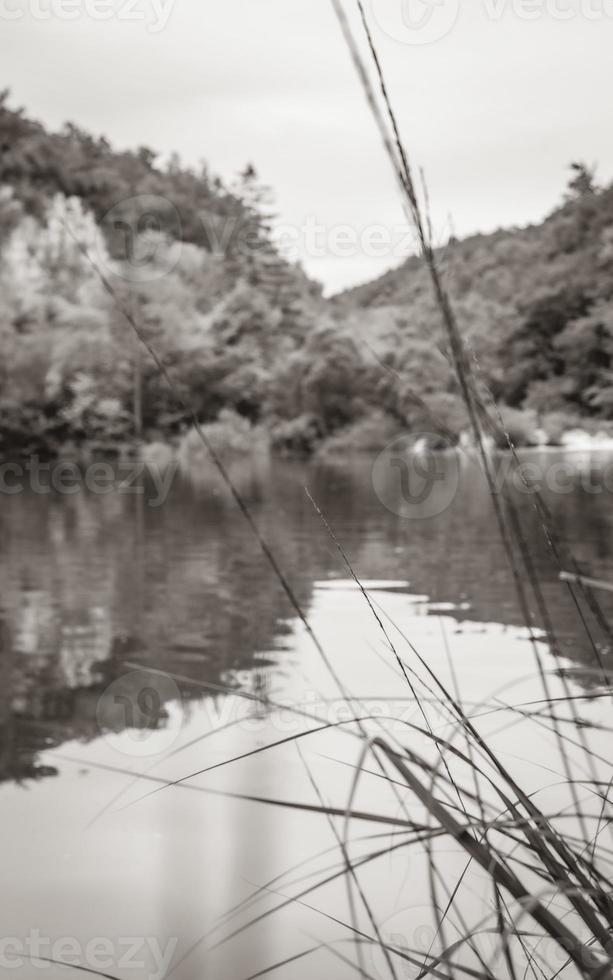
[[494, 109]]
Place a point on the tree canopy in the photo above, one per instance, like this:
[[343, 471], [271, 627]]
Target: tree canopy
[[88, 234]]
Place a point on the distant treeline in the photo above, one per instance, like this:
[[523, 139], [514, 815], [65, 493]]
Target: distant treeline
[[88, 233], [535, 306]]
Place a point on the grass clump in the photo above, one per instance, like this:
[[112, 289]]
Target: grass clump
[[230, 435], [370, 434]]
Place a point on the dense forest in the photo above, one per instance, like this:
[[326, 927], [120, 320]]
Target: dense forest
[[88, 234], [535, 309]]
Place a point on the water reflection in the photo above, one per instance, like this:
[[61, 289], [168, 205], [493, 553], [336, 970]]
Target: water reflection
[[89, 583]]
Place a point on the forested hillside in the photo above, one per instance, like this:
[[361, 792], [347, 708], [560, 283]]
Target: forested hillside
[[88, 232], [535, 306]]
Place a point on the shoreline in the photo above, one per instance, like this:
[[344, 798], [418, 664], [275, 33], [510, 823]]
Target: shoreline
[[156, 450]]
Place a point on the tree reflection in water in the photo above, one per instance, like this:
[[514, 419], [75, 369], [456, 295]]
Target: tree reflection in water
[[91, 582]]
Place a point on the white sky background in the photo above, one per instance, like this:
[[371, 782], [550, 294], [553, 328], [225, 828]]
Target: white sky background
[[494, 111]]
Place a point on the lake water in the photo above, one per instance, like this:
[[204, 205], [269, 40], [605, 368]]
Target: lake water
[[138, 645]]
